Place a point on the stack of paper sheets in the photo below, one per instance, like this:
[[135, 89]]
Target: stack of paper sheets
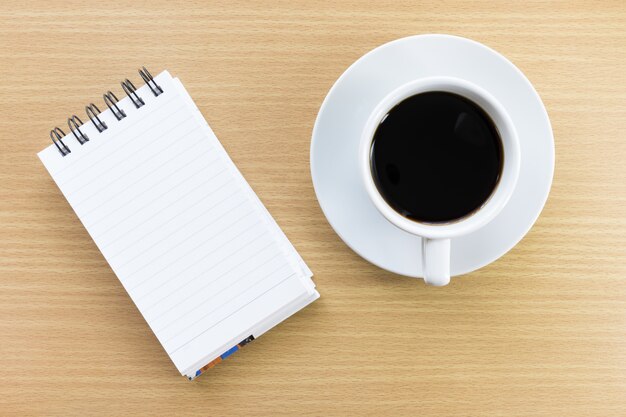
[[196, 250]]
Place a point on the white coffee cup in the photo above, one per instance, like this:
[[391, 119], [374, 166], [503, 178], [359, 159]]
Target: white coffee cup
[[436, 236]]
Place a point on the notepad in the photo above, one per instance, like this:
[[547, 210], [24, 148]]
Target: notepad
[[198, 253]]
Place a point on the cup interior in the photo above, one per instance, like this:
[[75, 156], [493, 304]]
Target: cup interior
[[510, 157]]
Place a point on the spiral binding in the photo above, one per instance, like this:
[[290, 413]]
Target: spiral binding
[[149, 80], [54, 133], [74, 123], [111, 100], [92, 112], [131, 92]]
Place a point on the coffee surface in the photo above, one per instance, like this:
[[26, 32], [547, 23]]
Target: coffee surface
[[436, 157]]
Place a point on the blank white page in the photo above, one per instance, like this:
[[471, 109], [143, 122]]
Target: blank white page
[[178, 224]]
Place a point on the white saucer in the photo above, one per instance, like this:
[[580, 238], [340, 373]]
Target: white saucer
[[336, 135]]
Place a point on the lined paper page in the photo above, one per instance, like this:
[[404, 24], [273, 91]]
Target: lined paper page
[[280, 234], [178, 224]]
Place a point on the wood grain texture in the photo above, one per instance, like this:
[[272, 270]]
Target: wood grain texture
[[541, 332]]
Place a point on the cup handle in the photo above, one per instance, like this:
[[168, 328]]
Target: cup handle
[[436, 261]]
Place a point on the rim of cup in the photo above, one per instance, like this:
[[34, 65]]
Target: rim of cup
[[510, 166]]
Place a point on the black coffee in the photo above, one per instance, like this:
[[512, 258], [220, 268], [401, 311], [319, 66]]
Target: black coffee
[[436, 157]]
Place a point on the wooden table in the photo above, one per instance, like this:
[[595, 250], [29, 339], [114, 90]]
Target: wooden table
[[541, 332]]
